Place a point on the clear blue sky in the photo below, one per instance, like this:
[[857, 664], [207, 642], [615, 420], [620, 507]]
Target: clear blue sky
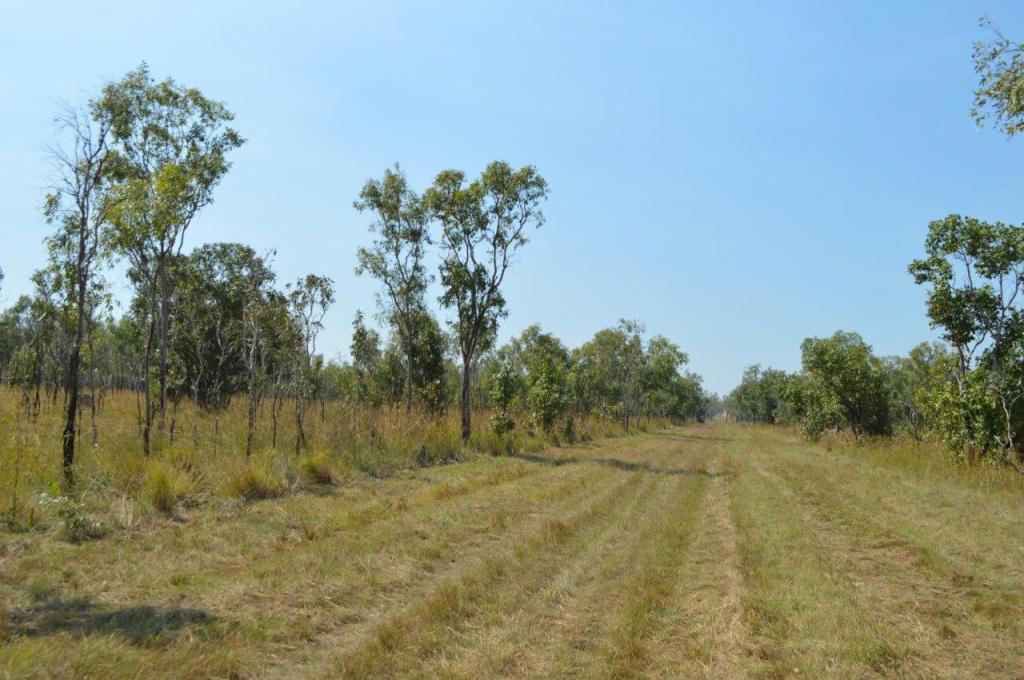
[[738, 175]]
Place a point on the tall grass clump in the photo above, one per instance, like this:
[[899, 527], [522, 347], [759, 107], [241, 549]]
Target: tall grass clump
[[317, 468], [164, 486], [253, 480]]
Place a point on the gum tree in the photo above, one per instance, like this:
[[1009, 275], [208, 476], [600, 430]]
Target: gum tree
[[309, 300], [483, 225], [77, 209], [170, 146], [975, 274], [396, 258]]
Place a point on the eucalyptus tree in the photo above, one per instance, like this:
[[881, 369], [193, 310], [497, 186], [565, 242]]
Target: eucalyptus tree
[[169, 148], [308, 300], [483, 224], [77, 209], [222, 294], [395, 258], [975, 274], [366, 357], [615, 365]]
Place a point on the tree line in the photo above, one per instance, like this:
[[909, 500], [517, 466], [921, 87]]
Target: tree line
[[968, 389], [136, 166]]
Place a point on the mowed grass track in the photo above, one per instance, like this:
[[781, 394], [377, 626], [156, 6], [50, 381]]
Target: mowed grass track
[[711, 551]]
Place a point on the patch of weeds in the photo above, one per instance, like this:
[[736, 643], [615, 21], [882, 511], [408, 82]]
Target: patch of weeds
[[76, 526], [40, 587]]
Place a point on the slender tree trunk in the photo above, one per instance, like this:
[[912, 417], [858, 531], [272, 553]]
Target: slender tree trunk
[[273, 412], [251, 424], [465, 400], [147, 421], [165, 306], [408, 370], [300, 434], [68, 456], [92, 409]]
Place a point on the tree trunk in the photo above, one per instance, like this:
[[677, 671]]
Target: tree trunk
[[251, 425], [408, 371], [165, 306], [72, 413], [92, 409], [273, 412], [465, 401], [300, 435], [147, 421]]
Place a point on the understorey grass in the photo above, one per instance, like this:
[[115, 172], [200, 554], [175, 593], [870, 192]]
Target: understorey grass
[[199, 457]]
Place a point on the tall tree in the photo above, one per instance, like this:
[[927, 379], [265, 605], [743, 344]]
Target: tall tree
[[170, 147], [396, 257], [309, 300], [77, 209], [484, 223], [975, 273]]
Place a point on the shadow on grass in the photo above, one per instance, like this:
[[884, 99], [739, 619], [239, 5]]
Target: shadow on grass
[[135, 624], [625, 465]]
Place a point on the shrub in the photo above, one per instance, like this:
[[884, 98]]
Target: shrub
[[76, 526]]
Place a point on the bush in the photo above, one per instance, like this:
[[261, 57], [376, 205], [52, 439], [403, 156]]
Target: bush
[[317, 468], [164, 486], [76, 526]]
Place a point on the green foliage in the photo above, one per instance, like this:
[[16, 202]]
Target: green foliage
[[222, 296], [76, 526], [505, 385], [396, 260], [846, 383], [483, 225], [760, 397], [999, 64], [973, 270], [546, 395], [317, 468]]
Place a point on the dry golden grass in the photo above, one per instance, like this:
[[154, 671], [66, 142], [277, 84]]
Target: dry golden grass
[[707, 551]]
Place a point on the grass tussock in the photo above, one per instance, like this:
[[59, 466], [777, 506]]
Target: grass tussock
[[318, 469], [253, 481], [164, 486]]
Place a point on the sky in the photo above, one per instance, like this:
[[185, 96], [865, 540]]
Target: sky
[[736, 175]]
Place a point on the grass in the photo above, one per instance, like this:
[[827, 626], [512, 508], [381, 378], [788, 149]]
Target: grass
[[705, 551], [199, 457]]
